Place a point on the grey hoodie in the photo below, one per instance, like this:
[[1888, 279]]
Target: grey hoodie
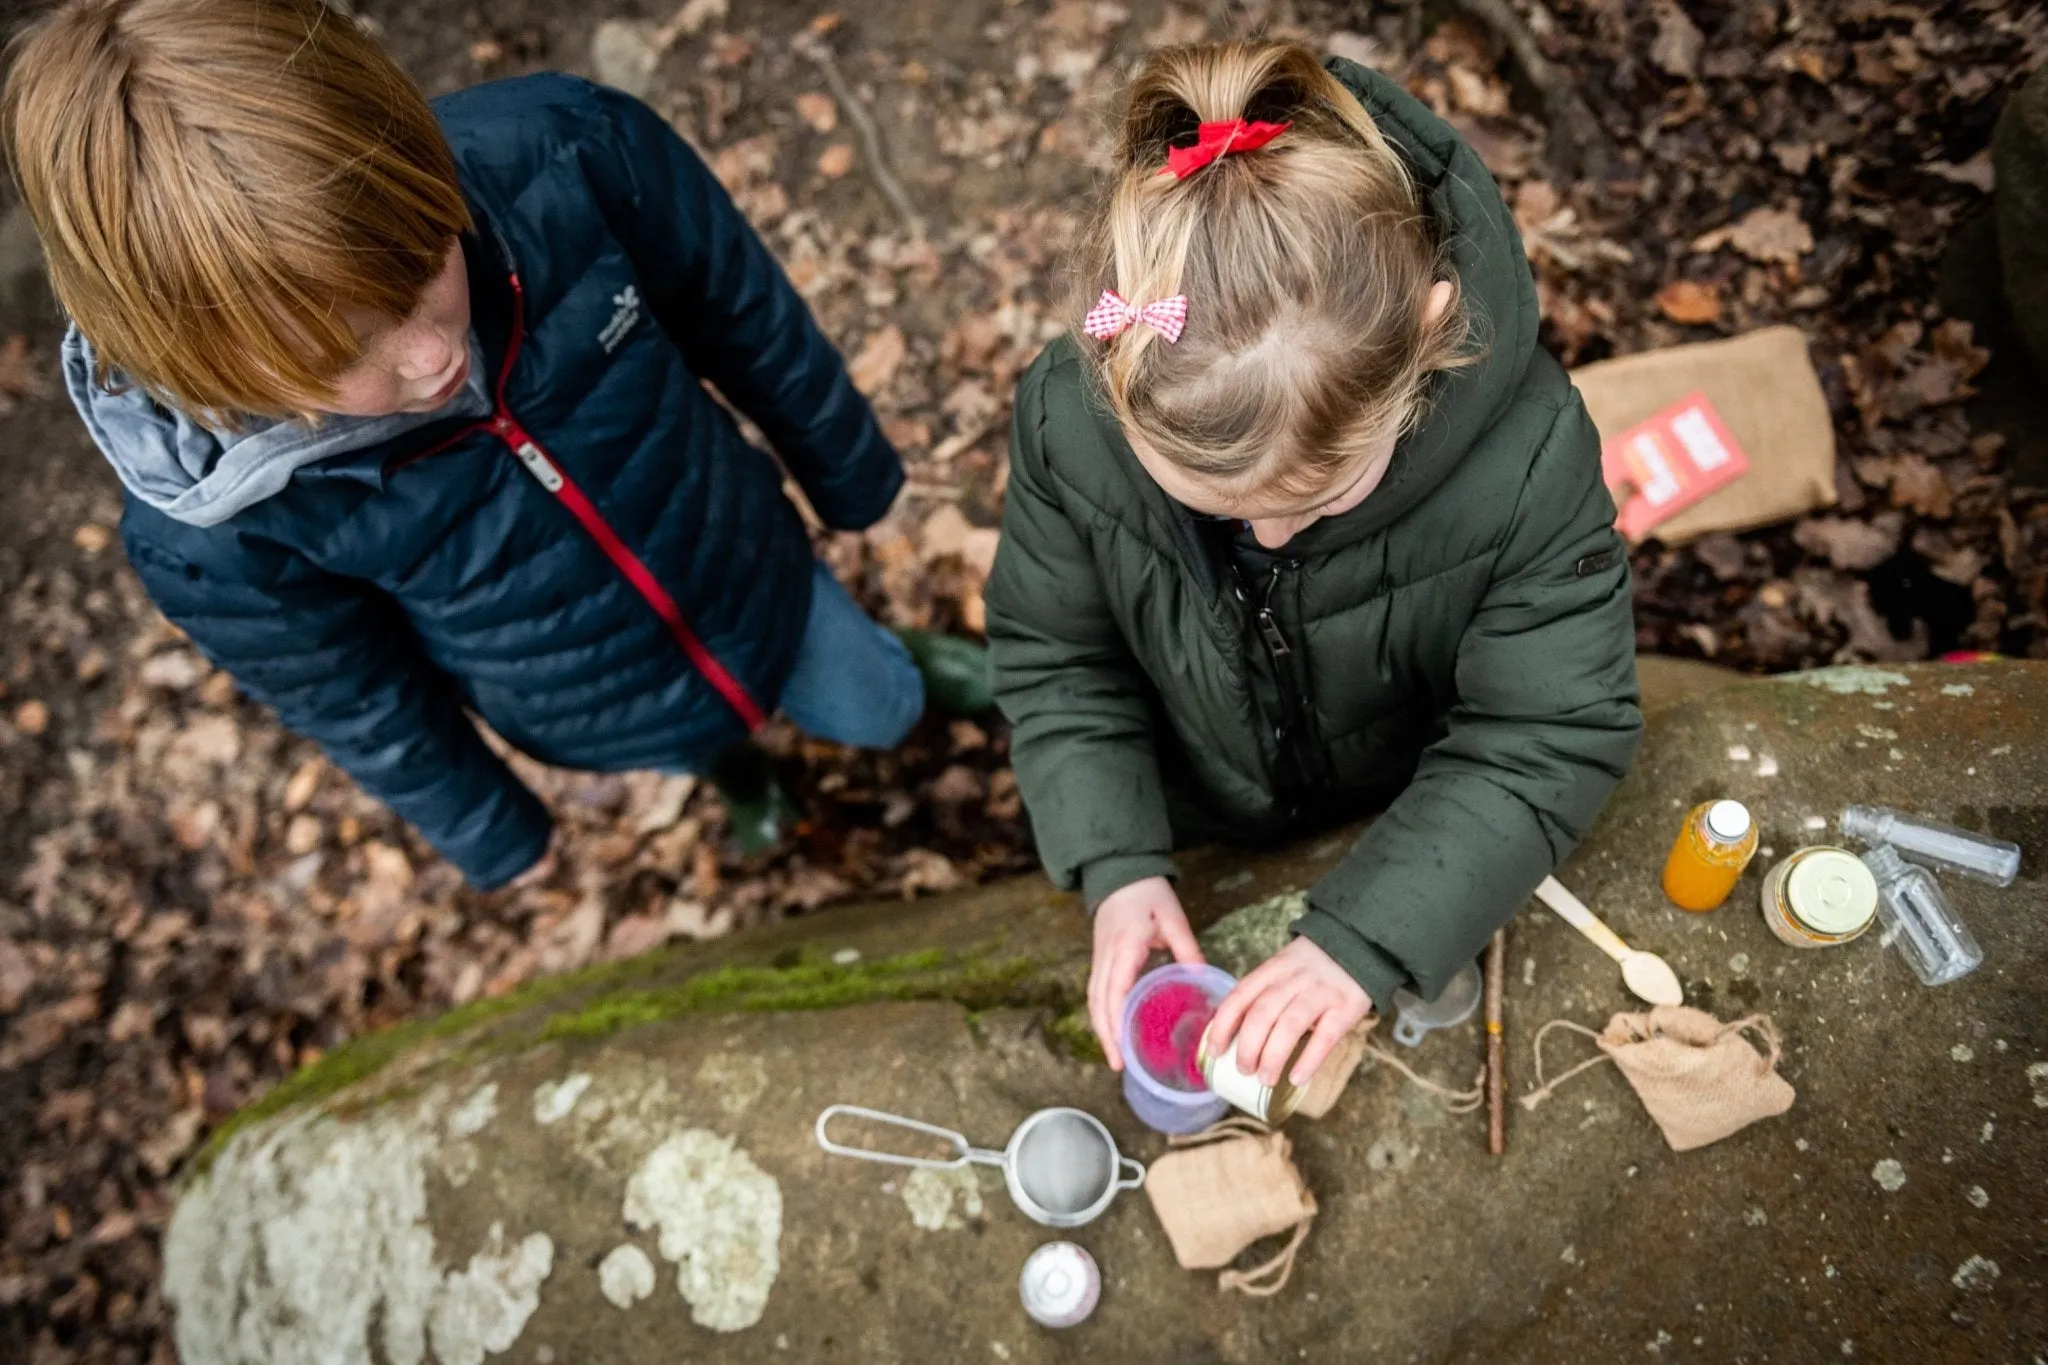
[[202, 477]]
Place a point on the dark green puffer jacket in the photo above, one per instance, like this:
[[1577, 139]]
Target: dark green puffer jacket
[[1460, 647]]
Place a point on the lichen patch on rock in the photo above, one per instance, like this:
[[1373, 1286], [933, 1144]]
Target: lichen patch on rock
[[476, 1112], [553, 1100], [1851, 679], [735, 1080], [482, 1310], [720, 1219], [930, 1195], [308, 1243], [625, 1275]]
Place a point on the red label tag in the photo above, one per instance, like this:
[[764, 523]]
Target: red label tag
[[1659, 467]]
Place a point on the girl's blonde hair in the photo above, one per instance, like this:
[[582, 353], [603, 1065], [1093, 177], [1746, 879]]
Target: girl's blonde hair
[[216, 181], [1307, 266]]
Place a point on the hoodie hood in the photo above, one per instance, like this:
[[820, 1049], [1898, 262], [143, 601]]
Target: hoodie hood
[[202, 477], [1497, 291]]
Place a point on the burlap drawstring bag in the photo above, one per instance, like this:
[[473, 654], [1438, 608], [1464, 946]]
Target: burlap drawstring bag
[[1697, 1076], [1224, 1188]]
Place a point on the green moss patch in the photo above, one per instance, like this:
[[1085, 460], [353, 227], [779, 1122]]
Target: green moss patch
[[807, 981], [807, 985]]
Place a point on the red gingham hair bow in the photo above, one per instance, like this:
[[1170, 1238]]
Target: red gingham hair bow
[[1111, 316], [1219, 139]]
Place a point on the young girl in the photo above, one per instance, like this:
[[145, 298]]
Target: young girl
[[1301, 525]]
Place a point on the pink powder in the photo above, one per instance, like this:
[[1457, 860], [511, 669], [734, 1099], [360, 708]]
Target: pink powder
[[1166, 1033]]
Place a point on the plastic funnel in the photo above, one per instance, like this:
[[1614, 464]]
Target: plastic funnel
[[1164, 1016]]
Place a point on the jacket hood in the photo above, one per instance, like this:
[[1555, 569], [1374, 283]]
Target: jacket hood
[[202, 477], [1497, 292]]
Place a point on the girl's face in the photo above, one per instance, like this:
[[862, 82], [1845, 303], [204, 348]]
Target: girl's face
[[415, 365], [1277, 518]]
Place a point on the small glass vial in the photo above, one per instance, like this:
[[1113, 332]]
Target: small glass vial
[[1917, 917], [1977, 856], [1716, 843]]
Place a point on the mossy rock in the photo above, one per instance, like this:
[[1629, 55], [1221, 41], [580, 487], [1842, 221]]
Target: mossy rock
[[619, 1166]]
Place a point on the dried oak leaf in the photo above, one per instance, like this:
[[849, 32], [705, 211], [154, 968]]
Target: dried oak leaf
[[925, 869], [17, 975], [1768, 235], [1921, 486], [19, 377], [35, 1033], [948, 532], [880, 356], [1723, 554], [1977, 172], [819, 111], [173, 1139], [835, 160], [1690, 302], [1676, 48], [1850, 545]]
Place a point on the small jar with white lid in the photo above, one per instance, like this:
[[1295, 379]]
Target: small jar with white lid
[[1819, 897]]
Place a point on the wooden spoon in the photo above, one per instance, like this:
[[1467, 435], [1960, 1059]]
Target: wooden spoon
[[1650, 977]]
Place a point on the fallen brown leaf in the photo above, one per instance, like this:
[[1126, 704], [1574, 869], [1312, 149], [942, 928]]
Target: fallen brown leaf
[[874, 367], [1676, 48], [835, 160], [1690, 302], [821, 112], [1768, 235], [32, 717], [1850, 545], [19, 377]]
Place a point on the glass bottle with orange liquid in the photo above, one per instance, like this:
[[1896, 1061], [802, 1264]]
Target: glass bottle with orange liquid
[[1717, 842]]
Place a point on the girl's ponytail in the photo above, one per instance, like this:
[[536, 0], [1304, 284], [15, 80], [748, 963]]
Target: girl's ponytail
[[1303, 255]]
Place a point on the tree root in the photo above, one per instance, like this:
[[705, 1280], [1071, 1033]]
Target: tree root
[[1579, 145]]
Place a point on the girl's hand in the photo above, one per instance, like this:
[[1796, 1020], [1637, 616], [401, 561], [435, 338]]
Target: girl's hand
[[1299, 988], [1129, 924]]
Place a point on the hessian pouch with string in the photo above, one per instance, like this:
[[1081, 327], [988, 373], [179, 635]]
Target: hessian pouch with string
[[1698, 1077]]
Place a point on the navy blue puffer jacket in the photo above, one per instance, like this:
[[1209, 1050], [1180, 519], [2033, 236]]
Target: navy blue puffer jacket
[[601, 567]]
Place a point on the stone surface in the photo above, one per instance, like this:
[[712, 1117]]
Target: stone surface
[[497, 1185]]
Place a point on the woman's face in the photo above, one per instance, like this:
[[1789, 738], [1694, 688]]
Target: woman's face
[[415, 365]]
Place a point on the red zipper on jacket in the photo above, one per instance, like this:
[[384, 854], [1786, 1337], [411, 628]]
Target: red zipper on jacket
[[529, 452]]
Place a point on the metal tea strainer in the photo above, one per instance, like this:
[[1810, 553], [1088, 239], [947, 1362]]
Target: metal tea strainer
[[1061, 1165]]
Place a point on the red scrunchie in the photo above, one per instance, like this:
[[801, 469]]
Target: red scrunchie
[[1219, 139]]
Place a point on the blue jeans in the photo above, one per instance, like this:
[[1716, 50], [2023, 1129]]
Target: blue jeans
[[853, 682]]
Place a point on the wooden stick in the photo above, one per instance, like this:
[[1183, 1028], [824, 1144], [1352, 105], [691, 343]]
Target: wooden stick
[[814, 48], [1496, 1044]]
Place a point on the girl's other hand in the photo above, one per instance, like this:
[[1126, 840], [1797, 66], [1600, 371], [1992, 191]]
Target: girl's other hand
[[1129, 924], [1298, 989]]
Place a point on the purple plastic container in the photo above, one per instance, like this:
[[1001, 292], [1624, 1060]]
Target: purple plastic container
[[1170, 1104]]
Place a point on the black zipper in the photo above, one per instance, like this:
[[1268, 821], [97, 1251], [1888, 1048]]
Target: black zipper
[[1295, 731]]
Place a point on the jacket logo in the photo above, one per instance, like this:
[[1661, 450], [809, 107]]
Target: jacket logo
[[623, 317]]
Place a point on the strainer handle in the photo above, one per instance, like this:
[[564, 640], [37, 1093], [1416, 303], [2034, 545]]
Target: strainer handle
[[956, 1140], [1135, 1181]]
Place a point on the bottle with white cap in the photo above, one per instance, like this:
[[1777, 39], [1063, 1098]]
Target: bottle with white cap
[[1942, 847], [1714, 846], [1060, 1285]]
